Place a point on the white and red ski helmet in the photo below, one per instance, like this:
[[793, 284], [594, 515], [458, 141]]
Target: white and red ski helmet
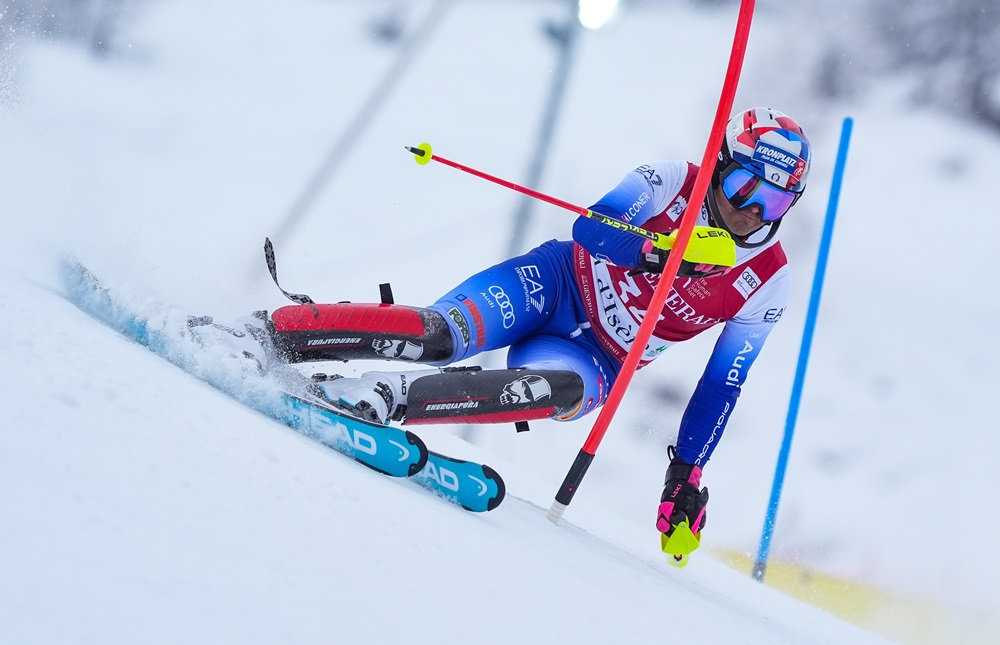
[[764, 159], [771, 145]]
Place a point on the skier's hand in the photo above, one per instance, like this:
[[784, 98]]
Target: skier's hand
[[681, 514], [681, 501], [652, 260]]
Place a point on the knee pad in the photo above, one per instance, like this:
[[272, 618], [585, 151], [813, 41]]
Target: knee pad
[[493, 396], [349, 331]]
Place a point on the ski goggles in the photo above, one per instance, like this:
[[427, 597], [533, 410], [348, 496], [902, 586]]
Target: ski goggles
[[743, 188]]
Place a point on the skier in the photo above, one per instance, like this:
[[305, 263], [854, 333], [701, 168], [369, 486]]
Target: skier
[[569, 310]]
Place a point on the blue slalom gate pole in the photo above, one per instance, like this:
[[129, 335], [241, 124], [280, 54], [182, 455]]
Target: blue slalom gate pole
[[760, 566]]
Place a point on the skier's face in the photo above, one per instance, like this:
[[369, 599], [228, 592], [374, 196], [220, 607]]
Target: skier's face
[[741, 222]]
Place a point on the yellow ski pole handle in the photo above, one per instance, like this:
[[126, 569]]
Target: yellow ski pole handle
[[708, 245]]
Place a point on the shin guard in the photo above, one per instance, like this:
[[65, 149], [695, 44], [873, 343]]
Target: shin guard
[[349, 331], [493, 396]]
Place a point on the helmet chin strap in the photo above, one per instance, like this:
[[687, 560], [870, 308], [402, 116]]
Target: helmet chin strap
[[715, 219]]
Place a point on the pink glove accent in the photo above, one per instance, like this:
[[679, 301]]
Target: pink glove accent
[[663, 518], [696, 525], [715, 269]]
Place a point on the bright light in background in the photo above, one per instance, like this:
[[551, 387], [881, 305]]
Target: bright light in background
[[594, 14]]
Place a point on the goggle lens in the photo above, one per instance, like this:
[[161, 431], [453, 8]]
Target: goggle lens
[[743, 188]]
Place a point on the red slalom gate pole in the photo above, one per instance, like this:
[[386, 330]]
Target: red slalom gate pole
[[586, 456]]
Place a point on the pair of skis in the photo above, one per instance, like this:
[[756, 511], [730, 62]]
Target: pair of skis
[[286, 398]]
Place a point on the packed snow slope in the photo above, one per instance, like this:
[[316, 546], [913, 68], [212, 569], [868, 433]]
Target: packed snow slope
[[143, 505]]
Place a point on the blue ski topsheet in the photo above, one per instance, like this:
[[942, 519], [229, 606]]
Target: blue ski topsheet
[[473, 486], [387, 449], [383, 448]]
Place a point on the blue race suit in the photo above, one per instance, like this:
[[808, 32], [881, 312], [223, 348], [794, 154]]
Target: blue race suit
[[531, 304], [573, 305]]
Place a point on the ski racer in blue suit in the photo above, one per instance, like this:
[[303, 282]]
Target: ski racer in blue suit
[[569, 310]]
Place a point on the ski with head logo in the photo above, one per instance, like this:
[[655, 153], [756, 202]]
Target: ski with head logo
[[471, 485], [284, 394]]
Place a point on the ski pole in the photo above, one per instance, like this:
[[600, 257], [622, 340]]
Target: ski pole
[[713, 248], [424, 154], [586, 455]]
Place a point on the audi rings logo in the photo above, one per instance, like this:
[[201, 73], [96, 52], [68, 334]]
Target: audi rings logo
[[506, 309]]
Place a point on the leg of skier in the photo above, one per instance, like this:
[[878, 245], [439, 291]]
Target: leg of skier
[[528, 302], [548, 377]]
